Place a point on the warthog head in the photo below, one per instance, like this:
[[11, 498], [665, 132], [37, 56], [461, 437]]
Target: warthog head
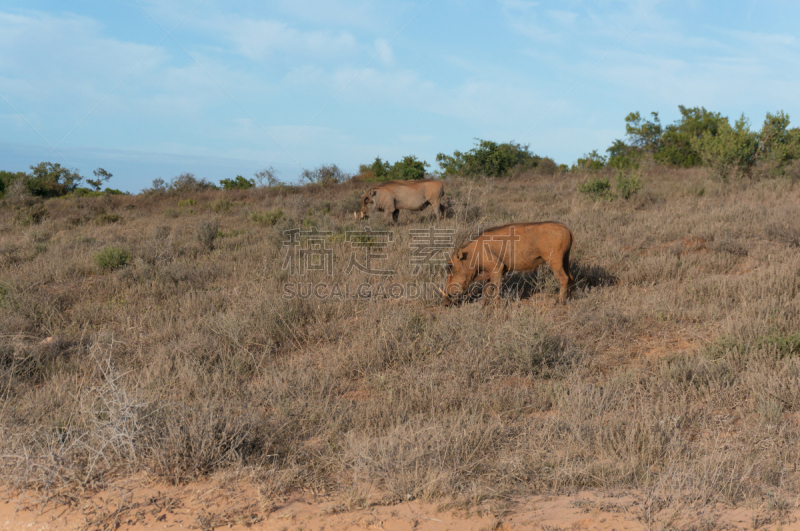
[[459, 276], [366, 199]]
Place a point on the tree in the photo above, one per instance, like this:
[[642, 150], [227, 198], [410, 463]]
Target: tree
[[159, 186], [7, 178], [325, 175], [591, 161], [101, 177], [238, 183], [379, 170], [187, 182], [622, 156], [678, 141], [644, 134], [488, 158], [267, 177], [408, 169], [731, 150], [777, 144], [49, 179]]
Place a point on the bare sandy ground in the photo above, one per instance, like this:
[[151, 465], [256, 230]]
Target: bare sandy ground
[[206, 506]]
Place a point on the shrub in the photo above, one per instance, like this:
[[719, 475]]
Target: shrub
[[591, 161], [547, 166], [622, 156], [187, 182], [778, 145], [627, 185], [596, 188], [183, 183], [31, 214], [207, 232], [267, 177], [408, 169], [7, 179], [103, 218], [85, 192], [326, 174], [112, 258], [221, 205], [52, 180], [676, 146], [186, 202], [732, 150], [378, 171], [267, 219], [487, 158], [239, 183]]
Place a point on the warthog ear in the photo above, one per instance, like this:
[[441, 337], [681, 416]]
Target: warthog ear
[[374, 193]]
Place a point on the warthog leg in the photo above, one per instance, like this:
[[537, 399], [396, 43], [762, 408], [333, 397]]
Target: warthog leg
[[494, 269], [560, 268]]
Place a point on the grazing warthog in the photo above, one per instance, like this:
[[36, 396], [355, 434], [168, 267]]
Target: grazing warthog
[[514, 247], [392, 196]]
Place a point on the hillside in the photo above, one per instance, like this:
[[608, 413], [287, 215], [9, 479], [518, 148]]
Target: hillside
[[181, 355]]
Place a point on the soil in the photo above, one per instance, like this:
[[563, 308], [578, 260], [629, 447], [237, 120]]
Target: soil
[[132, 505]]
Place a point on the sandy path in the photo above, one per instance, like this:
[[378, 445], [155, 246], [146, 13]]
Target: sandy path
[[204, 506]]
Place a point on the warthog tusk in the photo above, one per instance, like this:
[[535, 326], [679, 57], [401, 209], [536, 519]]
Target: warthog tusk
[[355, 215], [441, 291]]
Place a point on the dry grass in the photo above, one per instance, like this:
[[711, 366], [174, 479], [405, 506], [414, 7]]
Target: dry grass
[[673, 370]]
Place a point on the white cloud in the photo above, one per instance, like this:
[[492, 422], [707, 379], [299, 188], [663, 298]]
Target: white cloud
[[261, 40]]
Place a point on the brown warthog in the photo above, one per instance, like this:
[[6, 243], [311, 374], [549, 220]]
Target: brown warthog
[[514, 247], [392, 196]]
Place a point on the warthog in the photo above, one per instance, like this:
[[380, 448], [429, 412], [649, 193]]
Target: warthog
[[392, 196], [514, 247]]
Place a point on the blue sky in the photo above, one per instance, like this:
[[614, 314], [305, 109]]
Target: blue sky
[[152, 89]]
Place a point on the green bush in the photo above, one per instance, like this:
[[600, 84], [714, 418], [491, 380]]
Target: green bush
[[778, 145], [267, 219], [627, 185], [377, 171], [596, 188], [410, 168], [52, 180], [7, 178], [112, 258], [186, 202], [591, 161], [489, 159], [677, 143], [622, 156], [239, 183], [732, 150]]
